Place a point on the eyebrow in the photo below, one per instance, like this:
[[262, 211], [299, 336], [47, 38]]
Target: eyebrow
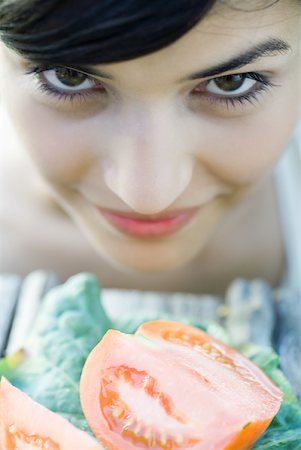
[[268, 48], [271, 47]]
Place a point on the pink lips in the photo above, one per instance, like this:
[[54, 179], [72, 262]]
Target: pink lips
[[148, 227]]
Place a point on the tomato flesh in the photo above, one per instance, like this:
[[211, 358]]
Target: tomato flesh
[[188, 336], [18, 439], [174, 388], [197, 343], [27, 425], [120, 418]]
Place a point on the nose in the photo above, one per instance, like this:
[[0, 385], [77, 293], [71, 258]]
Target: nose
[[149, 165]]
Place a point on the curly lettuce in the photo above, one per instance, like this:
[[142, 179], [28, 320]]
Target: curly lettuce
[[72, 321]]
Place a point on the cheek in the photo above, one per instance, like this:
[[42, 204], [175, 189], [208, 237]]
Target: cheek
[[60, 148], [242, 151]]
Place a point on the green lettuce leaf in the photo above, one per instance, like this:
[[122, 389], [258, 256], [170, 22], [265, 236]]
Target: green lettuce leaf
[[71, 322], [284, 433]]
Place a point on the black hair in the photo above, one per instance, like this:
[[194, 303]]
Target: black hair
[[95, 31]]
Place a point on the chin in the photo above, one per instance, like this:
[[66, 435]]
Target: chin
[[145, 256], [148, 257]]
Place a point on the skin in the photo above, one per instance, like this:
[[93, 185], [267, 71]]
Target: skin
[[149, 147]]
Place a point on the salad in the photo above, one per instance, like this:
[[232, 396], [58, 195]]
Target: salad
[[79, 383]]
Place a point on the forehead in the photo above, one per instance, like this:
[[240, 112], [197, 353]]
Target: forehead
[[225, 32]]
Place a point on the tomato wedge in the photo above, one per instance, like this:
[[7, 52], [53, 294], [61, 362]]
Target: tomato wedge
[[199, 341], [171, 386], [27, 425]]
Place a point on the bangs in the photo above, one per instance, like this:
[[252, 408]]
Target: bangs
[[95, 32]]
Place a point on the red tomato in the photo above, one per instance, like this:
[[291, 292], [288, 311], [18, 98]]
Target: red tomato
[[27, 425], [171, 386]]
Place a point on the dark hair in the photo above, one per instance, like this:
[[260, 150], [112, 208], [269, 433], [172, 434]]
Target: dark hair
[[95, 31]]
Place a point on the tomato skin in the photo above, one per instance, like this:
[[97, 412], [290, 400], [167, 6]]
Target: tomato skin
[[156, 390], [247, 437], [189, 336], [196, 339]]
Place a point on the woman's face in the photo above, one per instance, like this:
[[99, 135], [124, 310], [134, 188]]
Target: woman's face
[[150, 156]]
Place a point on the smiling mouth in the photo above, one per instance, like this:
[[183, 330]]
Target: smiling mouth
[[148, 227]]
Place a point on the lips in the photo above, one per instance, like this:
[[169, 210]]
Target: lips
[[148, 227]]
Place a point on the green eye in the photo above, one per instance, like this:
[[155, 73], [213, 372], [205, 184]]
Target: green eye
[[233, 89], [230, 83], [70, 77], [69, 80]]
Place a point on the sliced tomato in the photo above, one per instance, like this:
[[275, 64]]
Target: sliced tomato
[[188, 336], [172, 386], [27, 425]]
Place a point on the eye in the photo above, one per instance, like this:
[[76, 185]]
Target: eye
[[70, 80], [230, 84], [66, 84], [233, 90]]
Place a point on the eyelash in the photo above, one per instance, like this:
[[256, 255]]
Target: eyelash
[[265, 84], [43, 86], [249, 97]]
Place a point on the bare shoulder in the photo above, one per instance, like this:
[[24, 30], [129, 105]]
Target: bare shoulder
[[250, 242], [34, 231]]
